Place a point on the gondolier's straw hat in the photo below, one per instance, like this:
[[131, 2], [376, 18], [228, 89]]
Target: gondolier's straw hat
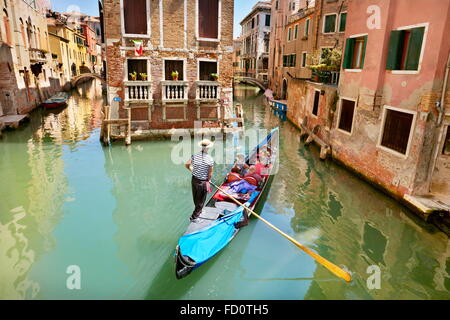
[[206, 143]]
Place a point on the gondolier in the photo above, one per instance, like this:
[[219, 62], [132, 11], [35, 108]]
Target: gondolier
[[201, 165]]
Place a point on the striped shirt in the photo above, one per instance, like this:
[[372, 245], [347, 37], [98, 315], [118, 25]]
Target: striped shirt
[[201, 162]]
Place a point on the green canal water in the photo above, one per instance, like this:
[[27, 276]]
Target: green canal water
[[117, 213]]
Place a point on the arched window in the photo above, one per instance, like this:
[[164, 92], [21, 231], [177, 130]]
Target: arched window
[[22, 31], [7, 27]]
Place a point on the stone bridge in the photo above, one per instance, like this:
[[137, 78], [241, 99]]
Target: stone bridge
[[251, 81], [77, 78]]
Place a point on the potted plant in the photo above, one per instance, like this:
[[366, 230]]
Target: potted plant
[[214, 76], [175, 75], [143, 76], [133, 76]]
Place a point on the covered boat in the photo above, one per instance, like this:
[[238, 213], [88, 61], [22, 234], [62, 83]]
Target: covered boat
[[56, 101], [215, 227]]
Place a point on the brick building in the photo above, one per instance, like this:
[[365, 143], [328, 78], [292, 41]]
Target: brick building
[[255, 41], [26, 74], [193, 38]]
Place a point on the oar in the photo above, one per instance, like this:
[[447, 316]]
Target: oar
[[327, 264]]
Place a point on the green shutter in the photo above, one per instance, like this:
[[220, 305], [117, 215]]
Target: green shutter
[[395, 50], [348, 54], [363, 54], [414, 49], [342, 22]]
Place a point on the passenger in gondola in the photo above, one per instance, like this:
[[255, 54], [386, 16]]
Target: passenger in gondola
[[240, 165], [252, 176]]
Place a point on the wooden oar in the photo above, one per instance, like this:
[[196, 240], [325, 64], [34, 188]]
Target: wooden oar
[[327, 264]]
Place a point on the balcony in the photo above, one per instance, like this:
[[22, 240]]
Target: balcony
[[326, 77], [174, 92], [207, 91], [138, 92], [37, 55]]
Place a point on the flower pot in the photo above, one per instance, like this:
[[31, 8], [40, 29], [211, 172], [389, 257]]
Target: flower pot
[[175, 78]]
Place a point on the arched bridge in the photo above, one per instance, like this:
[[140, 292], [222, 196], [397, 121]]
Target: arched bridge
[[251, 81], [77, 78]]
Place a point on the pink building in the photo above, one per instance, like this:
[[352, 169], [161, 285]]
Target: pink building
[[91, 41], [392, 122]]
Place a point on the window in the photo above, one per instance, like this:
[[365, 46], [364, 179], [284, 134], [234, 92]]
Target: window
[[296, 31], [405, 47], [208, 19], [446, 149], [289, 60], [397, 130], [307, 27], [355, 51], [315, 109], [304, 55], [253, 23], [293, 6], [135, 16], [136, 65], [329, 24], [171, 66], [342, 21], [7, 27], [346, 115], [257, 20], [289, 34], [267, 20], [206, 68]]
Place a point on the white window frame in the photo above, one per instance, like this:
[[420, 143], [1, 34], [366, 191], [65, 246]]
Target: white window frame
[[325, 19], [411, 133], [289, 35], [131, 35], [206, 60], [339, 22], [340, 112], [304, 57], [422, 51], [137, 58], [219, 22], [318, 105], [358, 36], [178, 59]]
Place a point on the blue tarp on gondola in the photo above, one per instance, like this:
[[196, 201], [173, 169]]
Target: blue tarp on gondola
[[205, 243]]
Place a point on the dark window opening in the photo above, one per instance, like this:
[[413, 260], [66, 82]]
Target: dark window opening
[[135, 16], [347, 112], [330, 24], [267, 20], [137, 65], [397, 129], [208, 19], [342, 22], [174, 65], [315, 109], [206, 69], [446, 149]]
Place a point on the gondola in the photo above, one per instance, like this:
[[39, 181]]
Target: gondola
[[56, 101], [215, 227]]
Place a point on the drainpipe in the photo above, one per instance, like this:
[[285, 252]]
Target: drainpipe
[[441, 109]]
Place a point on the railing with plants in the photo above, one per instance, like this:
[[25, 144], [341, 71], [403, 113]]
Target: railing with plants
[[325, 66]]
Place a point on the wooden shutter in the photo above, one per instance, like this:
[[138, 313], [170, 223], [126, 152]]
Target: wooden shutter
[[208, 19], [395, 50], [174, 65], [348, 54], [347, 112], [397, 128], [363, 53], [135, 16], [414, 49], [342, 22]]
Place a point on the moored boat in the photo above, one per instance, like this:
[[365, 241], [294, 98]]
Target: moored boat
[[216, 225], [56, 101]]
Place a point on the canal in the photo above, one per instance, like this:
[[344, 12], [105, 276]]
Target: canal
[[117, 213]]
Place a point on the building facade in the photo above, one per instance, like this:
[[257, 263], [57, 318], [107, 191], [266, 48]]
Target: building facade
[[371, 88], [178, 69], [26, 74], [255, 41]]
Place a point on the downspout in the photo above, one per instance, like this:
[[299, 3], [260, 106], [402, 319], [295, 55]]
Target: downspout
[[441, 109]]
